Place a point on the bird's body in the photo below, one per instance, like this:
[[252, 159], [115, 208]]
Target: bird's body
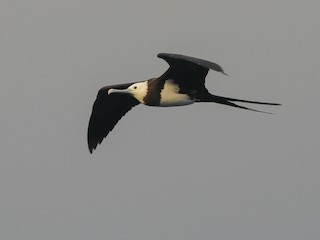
[[150, 94], [182, 84]]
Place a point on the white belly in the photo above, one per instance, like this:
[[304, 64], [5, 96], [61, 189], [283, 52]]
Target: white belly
[[170, 96]]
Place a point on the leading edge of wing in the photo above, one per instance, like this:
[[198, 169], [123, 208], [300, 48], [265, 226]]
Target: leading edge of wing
[[107, 110], [171, 58]]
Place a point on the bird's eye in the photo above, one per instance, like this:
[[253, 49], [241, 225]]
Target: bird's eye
[[135, 87]]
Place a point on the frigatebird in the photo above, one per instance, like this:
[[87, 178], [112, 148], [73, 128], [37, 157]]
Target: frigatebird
[[182, 84]]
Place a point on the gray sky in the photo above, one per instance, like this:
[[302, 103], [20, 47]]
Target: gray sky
[[202, 171]]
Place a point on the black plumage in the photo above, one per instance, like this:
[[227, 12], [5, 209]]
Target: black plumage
[[107, 110]]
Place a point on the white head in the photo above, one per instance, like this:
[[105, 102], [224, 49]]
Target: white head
[[137, 90]]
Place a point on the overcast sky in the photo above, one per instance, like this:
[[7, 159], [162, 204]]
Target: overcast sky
[[203, 171]]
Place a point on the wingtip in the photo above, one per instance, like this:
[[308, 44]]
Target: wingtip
[[223, 72], [91, 149], [91, 146]]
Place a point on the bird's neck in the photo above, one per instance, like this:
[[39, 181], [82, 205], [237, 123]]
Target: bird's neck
[[143, 90]]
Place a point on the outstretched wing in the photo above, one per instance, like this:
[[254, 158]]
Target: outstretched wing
[[189, 70], [106, 112], [175, 59]]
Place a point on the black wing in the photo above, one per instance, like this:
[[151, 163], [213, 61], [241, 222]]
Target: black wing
[[189, 70], [175, 59], [106, 112]]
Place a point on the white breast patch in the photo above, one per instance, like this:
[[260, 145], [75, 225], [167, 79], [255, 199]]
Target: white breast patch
[[170, 95]]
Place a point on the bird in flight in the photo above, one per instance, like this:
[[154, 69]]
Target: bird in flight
[[182, 84]]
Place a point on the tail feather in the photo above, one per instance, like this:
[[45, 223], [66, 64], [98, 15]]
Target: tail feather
[[248, 101], [229, 102]]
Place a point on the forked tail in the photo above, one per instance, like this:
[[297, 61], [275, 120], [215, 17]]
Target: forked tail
[[229, 101]]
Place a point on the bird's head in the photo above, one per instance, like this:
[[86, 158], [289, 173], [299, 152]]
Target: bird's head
[[137, 90]]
